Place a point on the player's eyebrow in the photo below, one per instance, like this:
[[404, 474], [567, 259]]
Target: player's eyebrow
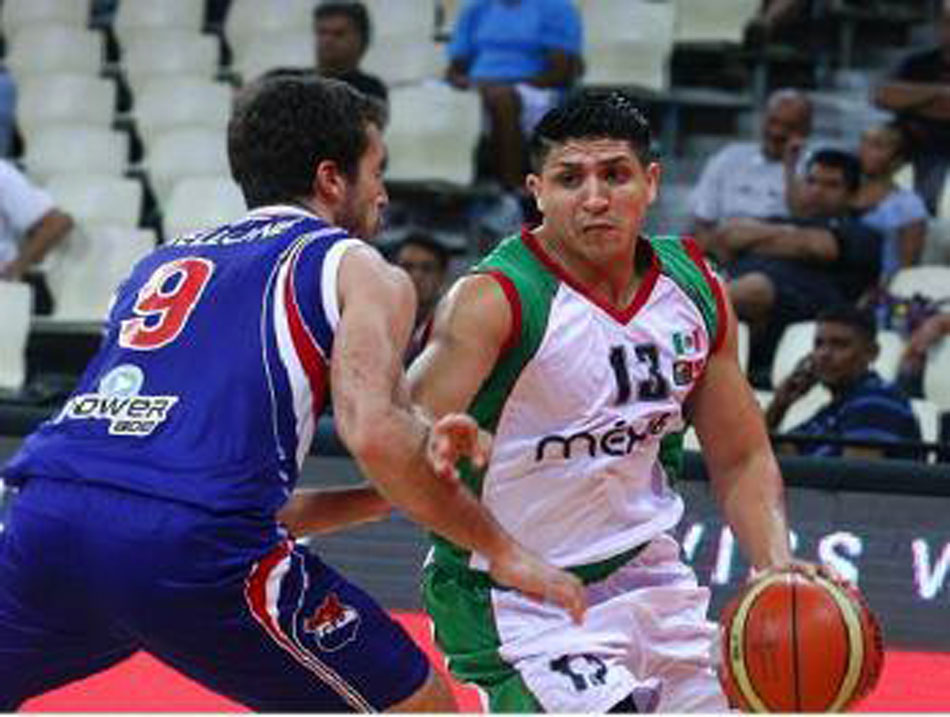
[[604, 162]]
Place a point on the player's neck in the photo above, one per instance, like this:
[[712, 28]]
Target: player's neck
[[614, 278]]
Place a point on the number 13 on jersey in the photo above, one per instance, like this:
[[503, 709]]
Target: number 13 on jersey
[[165, 303]]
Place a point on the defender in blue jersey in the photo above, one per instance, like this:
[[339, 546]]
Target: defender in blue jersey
[[146, 510]]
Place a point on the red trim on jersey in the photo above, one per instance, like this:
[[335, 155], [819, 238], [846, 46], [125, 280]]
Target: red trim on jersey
[[311, 357], [255, 595], [621, 315], [514, 301], [696, 254]]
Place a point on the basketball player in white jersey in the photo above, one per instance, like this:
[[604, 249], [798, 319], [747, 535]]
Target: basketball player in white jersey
[[586, 348]]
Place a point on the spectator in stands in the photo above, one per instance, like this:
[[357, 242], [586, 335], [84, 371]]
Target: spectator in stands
[[343, 33], [30, 225], [779, 21], [862, 406], [521, 55], [786, 269], [918, 91], [745, 179], [926, 336], [426, 261], [898, 214]]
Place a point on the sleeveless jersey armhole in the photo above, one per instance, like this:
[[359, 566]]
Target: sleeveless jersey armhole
[[696, 254], [329, 279], [514, 301]]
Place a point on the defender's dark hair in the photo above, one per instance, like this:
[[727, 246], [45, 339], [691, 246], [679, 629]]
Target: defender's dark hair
[[860, 319], [283, 126], [355, 11], [592, 114], [847, 162]]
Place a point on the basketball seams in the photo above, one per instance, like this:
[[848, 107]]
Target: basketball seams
[[737, 639], [852, 622]]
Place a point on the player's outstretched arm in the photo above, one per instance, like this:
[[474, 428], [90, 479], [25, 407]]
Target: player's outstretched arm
[[391, 441], [312, 511], [741, 464]]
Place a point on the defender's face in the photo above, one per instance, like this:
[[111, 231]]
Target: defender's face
[[594, 194], [362, 211]]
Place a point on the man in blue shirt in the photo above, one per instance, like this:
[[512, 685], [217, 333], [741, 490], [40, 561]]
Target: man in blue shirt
[[521, 55], [863, 407]]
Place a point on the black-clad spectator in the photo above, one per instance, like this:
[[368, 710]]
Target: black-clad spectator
[[343, 32], [788, 268], [426, 261], [918, 91]]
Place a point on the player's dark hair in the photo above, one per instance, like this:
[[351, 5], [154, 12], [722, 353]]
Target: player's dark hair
[[846, 162], [858, 318], [592, 114], [283, 126], [354, 11]]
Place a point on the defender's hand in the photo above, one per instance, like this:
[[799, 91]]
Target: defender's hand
[[453, 436], [539, 581]]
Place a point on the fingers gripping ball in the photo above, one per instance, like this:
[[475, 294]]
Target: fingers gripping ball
[[794, 644]]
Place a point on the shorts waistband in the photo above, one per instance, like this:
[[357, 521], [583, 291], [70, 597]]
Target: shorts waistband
[[588, 573]]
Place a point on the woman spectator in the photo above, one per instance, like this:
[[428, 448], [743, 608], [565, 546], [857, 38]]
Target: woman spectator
[[898, 214]]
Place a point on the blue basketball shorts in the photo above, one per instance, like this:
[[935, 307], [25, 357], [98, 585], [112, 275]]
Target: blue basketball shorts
[[89, 575]]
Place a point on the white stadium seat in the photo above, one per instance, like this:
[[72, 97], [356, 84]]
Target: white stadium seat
[[59, 149], [60, 97], [628, 42], [16, 300], [200, 203], [171, 53], [432, 131], [97, 199], [405, 60], [719, 21], [85, 271], [191, 152], [41, 48], [247, 19], [164, 103], [927, 280], [268, 51], [16, 14], [937, 375], [135, 16]]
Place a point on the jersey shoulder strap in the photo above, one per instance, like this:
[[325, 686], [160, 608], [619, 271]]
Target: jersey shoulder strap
[[530, 288], [681, 259]]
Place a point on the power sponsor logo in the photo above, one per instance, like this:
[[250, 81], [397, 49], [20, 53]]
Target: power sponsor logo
[[119, 402], [334, 623]]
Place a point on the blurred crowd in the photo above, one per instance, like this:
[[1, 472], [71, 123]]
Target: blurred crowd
[[816, 237]]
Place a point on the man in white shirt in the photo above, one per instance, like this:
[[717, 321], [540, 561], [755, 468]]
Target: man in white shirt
[[745, 179], [30, 224]]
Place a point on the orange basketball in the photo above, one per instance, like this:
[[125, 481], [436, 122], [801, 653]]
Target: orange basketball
[[794, 644]]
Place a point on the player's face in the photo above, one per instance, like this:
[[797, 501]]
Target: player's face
[[842, 354], [362, 211], [594, 194]]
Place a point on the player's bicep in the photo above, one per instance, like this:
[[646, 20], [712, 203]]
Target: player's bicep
[[472, 325], [722, 408], [377, 305]]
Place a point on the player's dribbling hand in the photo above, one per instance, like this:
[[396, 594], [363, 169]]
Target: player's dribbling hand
[[454, 436], [541, 582], [808, 569]]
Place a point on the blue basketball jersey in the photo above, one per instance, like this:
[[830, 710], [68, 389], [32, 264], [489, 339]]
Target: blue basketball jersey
[[212, 372]]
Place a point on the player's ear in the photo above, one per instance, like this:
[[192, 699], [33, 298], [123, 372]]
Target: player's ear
[[533, 182], [329, 183]]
